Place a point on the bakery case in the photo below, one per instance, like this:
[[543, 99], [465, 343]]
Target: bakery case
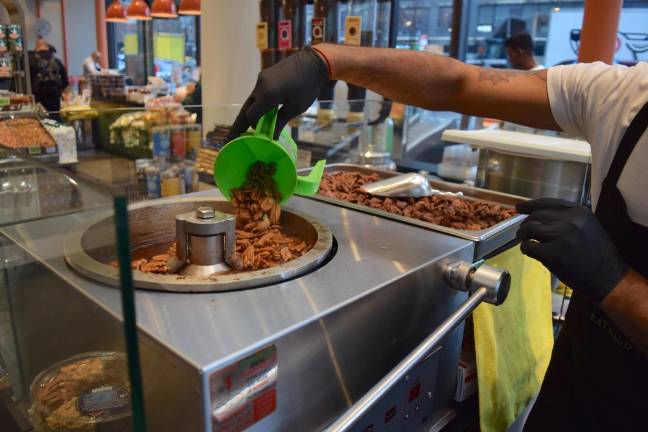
[[65, 362]]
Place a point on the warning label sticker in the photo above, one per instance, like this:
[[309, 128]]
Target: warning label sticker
[[245, 392]]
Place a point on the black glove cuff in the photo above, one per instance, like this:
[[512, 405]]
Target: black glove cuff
[[322, 67], [608, 278]]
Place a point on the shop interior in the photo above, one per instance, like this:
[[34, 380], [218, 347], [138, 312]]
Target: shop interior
[[144, 288]]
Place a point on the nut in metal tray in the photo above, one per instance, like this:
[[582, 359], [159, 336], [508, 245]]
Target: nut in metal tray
[[486, 241]]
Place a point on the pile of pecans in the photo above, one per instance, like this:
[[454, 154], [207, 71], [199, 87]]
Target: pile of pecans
[[260, 240], [157, 264], [24, 132], [443, 210]]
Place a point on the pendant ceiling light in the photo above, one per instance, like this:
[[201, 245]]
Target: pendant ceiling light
[[189, 7], [116, 12], [164, 9], [139, 10]]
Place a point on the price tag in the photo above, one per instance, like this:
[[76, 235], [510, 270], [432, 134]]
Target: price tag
[[4, 101], [318, 30], [103, 399], [352, 28], [262, 35], [34, 150], [285, 34]]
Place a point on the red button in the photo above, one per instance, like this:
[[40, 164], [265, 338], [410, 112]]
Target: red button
[[414, 392]]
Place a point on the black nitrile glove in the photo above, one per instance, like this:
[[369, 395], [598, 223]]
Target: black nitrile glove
[[568, 239], [294, 82]]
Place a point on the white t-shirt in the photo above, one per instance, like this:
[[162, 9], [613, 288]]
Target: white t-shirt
[[597, 102], [90, 66]]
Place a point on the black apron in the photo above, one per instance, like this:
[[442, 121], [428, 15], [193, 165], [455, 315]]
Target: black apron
[[597, 379]]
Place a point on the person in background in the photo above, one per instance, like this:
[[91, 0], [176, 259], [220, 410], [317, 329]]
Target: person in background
[[48, 76], [193, 100], [92, 64], [519, 51]]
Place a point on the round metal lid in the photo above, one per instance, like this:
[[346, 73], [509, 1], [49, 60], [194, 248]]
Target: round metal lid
[[90, 249]]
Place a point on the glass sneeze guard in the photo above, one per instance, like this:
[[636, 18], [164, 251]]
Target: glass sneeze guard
[[67, 362]]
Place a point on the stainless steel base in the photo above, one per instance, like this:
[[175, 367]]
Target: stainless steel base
[[533, 177], [326, 337]]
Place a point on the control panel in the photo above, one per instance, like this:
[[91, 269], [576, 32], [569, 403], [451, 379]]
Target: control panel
[[409, 405]]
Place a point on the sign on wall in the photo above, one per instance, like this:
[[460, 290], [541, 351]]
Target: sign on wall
[[352, 30], [262, 35], [169, 47], [284, 34], [131, 44], [318, 30]]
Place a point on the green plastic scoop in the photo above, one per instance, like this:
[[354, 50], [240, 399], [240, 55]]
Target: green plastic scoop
[[236, 158]]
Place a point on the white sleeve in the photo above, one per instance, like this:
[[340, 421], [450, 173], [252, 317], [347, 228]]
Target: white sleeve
[[89, 67], [582, 96]]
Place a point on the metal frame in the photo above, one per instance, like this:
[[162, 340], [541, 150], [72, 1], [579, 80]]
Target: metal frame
[[459, 36]]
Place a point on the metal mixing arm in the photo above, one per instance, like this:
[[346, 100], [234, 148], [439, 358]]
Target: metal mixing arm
[[485, 283]]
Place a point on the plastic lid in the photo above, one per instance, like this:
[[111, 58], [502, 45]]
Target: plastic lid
[[523, 144], [86, 389]]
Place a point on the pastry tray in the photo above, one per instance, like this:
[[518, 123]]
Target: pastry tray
[[487, 241]]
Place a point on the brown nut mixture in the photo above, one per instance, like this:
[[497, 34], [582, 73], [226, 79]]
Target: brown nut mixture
[[261, 242], [57, 397], [442, 210], [24, 132]]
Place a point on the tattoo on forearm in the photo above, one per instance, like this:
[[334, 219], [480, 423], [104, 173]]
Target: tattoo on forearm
[[496, 76]]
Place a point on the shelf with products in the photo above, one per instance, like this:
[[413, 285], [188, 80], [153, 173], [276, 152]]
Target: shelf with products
[[14, 59]]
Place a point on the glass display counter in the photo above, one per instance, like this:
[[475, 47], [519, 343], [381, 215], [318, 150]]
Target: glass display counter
[[66, 363], [222, 348]]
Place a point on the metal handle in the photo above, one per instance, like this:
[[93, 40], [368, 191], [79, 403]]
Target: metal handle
[[494, 292]]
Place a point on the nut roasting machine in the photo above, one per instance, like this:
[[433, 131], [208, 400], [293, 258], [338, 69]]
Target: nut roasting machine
[[360, 332]]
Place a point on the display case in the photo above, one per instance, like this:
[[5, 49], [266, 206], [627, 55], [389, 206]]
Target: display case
[[66, 363], [311, 318]]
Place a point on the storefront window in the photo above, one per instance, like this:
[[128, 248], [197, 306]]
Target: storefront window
[[127, 49], [554, 27], [425, 25], [175, 50], [166, 48]]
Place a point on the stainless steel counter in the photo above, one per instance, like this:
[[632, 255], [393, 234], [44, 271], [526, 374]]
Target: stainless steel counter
[[336, 330]]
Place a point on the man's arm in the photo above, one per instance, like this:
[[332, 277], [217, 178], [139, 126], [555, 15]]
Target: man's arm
[[442, 83], [414, 78], [627, 306]]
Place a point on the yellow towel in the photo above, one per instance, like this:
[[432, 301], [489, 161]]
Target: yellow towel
[[513, 342]]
